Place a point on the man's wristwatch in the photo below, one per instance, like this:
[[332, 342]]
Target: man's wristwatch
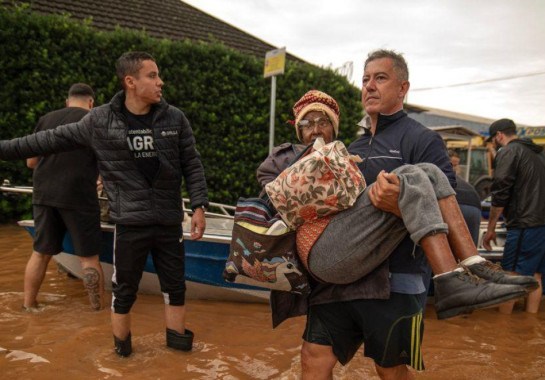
[[201, 206]]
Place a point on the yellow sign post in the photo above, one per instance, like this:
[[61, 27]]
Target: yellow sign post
[[275, 61]]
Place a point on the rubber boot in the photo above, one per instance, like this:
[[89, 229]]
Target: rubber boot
[[123, 347], [182, 342]]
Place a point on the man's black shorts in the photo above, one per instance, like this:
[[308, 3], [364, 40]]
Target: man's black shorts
[[133, 244], [51, 224], [391, 330]]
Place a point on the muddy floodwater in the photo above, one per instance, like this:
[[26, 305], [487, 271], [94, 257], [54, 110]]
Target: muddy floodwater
[[66, 340]]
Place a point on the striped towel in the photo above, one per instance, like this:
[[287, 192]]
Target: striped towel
[[256, 211]]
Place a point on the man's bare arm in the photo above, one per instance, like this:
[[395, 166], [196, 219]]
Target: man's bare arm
[[495, 213]]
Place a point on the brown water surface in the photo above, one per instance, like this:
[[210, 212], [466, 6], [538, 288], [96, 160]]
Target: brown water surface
[[233, 341]]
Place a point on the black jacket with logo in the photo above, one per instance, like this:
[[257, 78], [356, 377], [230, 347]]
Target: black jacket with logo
[[133, 200]]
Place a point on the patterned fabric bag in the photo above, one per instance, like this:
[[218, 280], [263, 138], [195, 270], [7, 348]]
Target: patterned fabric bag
[[261, 254], [323, 182]]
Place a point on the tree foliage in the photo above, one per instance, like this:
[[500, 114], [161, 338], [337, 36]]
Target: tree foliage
[[221, 91]]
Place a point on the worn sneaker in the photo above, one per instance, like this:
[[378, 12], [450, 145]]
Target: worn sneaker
[[462, 292], [123, 347], [493, 272]]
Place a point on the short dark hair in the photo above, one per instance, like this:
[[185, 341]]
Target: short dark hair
[[130, 63], [81, 90], [400, 65]]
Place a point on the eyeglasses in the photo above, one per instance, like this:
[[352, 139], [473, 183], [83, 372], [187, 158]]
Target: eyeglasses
[[308, 125]]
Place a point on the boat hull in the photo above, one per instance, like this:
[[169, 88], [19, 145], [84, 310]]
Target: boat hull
[[205, 261]]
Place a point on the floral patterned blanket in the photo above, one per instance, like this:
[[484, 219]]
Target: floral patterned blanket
[[325, 181]]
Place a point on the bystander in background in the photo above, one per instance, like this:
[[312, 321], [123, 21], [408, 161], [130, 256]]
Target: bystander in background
[[64, 200], [518, 192]]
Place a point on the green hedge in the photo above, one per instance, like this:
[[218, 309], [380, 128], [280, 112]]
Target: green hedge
[[222, 92]]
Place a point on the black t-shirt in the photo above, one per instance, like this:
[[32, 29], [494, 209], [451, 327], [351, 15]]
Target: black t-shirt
[[141, 143], [67, 179]]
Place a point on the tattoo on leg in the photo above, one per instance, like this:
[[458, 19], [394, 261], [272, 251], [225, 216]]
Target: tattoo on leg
[[91, 281]]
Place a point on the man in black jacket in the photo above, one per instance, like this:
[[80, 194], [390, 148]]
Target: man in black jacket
[[144, 148], [518, 190]]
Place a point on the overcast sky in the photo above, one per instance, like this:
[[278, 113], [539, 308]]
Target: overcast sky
[[446, 43]]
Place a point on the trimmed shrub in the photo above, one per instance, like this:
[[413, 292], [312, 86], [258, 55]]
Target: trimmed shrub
[[221, 91]]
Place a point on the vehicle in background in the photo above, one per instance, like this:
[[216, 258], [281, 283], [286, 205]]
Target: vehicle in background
[[475, 157]]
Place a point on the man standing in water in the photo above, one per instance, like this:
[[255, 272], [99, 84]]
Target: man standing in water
[[144, 148], [518, 189], [382, 310], [64, 199]]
